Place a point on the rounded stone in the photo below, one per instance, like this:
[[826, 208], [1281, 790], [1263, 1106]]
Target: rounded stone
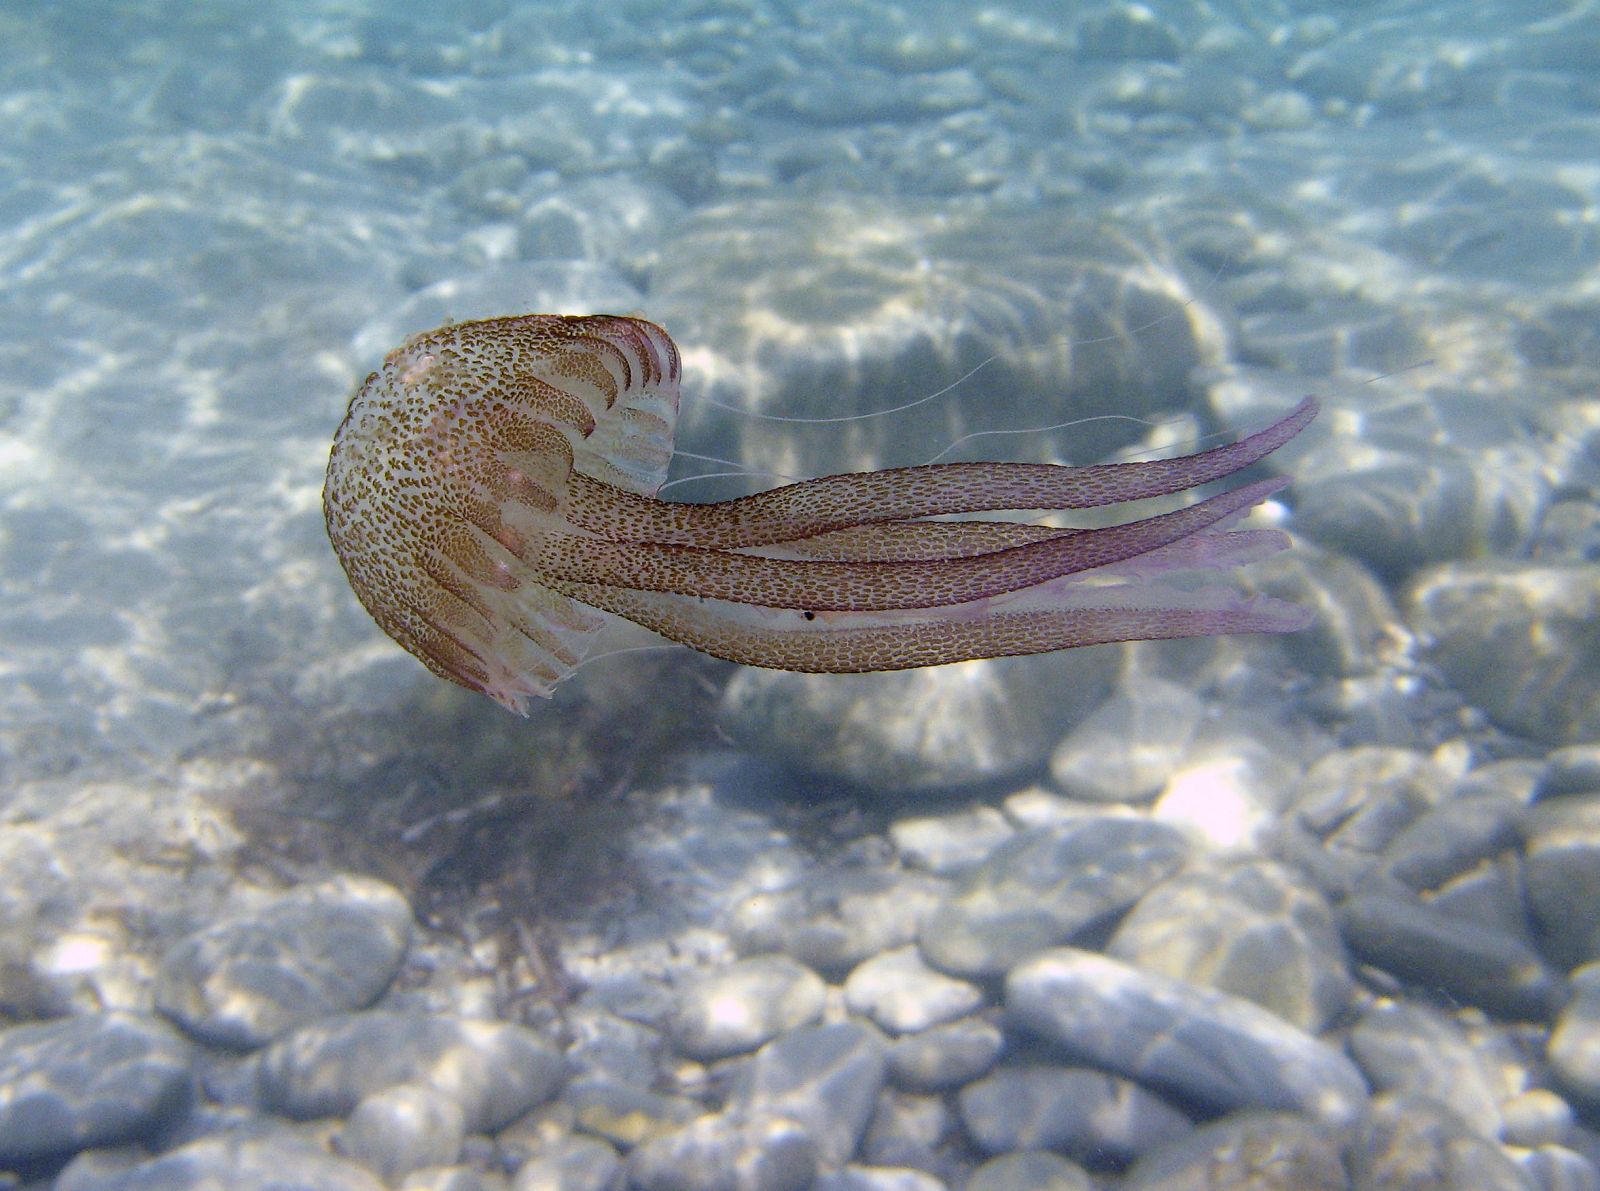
[[722, 1153], [495, 1071], [251, 1159], [1045, 884], [744, 1005], [903, 995], [945, 1057], [102, 1079], [402, 1129], [571, 1164], [1420, 1051], [1562, 870], [315, 951], [1197, 1046], [926, 729], [1084, 1114], [1515, 638], [1470, 961], [1128, 747], [1574, 1047], [1030, 1170], [1253, 929], [1256, 1150], [826, 1078]]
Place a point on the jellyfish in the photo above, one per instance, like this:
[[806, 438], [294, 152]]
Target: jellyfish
[[491, 494]]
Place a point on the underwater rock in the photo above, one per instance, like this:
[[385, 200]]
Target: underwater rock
[[918, 729], [1517, 640], [1084, 1114], [740, 1007], [726, 1153], [944, 1057], [101, 1079], [826, 1078], [903, 995], [1254, 929], [818, 309], [1251, 1149], [1574, 1047], [1562, 873], [495, 1071], [402, 1129], [946, 844], [1403, 1134], [1043, 886], [1030, 1170], [1125, 750], [1467, 960], [1422, 1051], [1195, 1045], [315, 951], [268, 1158]]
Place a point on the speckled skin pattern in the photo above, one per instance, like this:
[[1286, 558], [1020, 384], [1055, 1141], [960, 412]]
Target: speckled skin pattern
[[494, 482]]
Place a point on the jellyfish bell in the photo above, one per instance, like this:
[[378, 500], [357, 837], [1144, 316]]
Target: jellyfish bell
[[492, 492]]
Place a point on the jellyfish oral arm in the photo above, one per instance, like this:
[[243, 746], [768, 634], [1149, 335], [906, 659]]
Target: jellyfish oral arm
[[810, 507]]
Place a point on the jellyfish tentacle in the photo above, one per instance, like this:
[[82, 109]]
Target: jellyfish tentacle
[[809, 507], [851, 645], [875, 586]]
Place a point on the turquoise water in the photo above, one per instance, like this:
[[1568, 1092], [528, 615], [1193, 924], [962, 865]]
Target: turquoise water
[[1034, 231]]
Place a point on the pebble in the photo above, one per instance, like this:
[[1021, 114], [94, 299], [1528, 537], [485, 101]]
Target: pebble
[[571, 1164], [1556, 1168], [917, 730], [1514, 638], [1043, 886], [944, 1057], [737, 1009], [251, 1159], [878, 1178], [494, 1071], [1229, 793], [834, 918], [1263, 1151], [310, 953], [1356, 801], [1451, 838], [908, 1129], [1574, 1047], [1476, 964], [1403, 1134], [903, 995], [825, 1078], [723, 1153], [624, 1114], [1254, 929], [454, 1178], [99, 1079], [1083, 1114], [1030, 1170], [949, 844], [1202, 1048], [1128, 747], [1421, 1051], [1562, 870], [1537, 1117], [404, 1128]]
